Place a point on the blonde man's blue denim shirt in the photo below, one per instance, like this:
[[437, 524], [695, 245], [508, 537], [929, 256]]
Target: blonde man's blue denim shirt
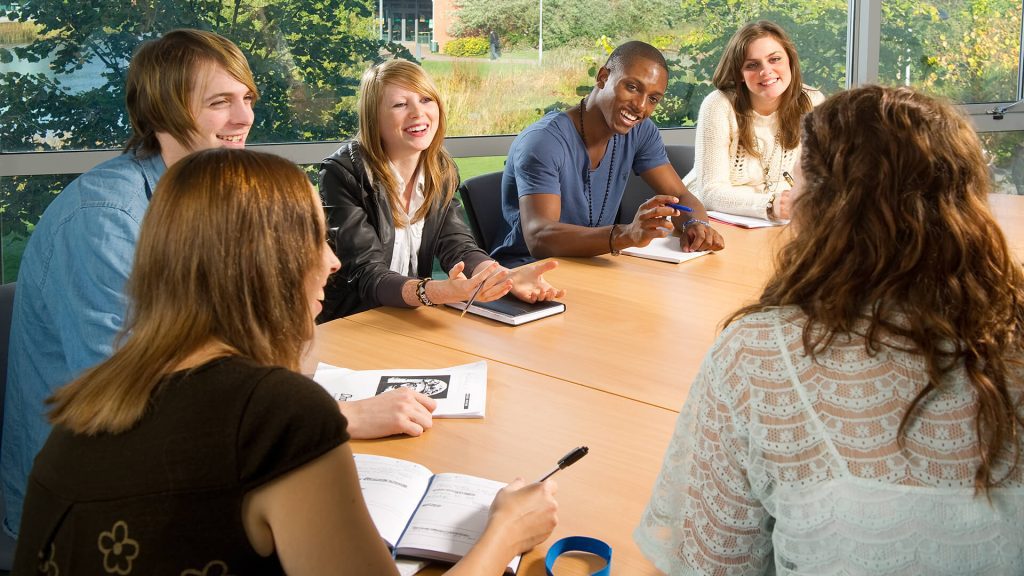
[[69, 303]]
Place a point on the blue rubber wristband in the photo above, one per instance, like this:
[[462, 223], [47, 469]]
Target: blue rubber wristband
[[580, 544]]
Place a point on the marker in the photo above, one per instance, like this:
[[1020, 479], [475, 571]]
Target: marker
[[680, 207], [566, 461], [789, 179]]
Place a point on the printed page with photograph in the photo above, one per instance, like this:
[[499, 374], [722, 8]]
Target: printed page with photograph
[[425, 516], [460, 391]]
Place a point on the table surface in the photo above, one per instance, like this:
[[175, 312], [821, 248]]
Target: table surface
[[612, 372], [532, 420]]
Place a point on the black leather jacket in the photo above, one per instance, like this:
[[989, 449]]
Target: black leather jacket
[[363, 233]]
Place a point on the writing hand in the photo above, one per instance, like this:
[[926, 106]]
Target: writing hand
[[651, 221]]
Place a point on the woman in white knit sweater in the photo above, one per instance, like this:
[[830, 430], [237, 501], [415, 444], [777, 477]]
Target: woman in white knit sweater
[[748, 131]]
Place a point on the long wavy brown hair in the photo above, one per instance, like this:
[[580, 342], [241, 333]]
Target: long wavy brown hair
[[728, 78], [440, 176], [893, 231], [223, 256]]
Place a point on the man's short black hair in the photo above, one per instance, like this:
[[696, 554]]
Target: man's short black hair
[[626, 53]]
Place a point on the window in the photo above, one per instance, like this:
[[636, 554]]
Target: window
[[967, 51], [62, 69]]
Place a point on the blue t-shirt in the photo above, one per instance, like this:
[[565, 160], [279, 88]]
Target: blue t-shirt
[[548, 157], [70, 303]]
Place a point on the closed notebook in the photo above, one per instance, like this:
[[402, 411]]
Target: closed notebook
[[512, 310]]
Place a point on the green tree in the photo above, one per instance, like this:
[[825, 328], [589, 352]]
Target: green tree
[[307, 57]]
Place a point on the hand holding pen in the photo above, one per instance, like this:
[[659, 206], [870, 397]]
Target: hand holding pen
[[480, 287]]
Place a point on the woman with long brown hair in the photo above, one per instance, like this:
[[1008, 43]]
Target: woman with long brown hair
[[198, 447], [865, 415], [748, 130]]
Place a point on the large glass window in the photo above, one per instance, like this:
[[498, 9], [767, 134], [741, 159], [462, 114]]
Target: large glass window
[[62, 65], [965, 50], [504, 95]]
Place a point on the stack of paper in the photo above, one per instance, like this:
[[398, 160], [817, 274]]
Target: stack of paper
[[460, 391], [744, 221], [664, 249]]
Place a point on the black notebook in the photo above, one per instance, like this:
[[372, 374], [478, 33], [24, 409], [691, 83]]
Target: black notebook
[[512, 310]]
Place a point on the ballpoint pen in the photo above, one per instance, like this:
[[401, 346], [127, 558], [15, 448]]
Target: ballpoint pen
[[476, 292], [566, 461], [789, 179], [680, 207]]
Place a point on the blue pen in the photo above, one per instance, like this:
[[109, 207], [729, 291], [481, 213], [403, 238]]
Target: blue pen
[[680, 207]]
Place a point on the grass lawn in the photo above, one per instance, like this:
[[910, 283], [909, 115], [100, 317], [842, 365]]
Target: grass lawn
[[469, 167], [485, 97]]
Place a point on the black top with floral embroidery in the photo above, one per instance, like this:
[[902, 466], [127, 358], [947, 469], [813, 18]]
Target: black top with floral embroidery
[[166, 496]]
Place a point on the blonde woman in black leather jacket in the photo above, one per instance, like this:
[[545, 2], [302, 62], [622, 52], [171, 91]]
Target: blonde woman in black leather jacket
[[390, 196]]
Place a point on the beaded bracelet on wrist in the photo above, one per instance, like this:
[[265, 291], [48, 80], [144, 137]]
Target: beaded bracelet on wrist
[[693, 221], [421, 292]]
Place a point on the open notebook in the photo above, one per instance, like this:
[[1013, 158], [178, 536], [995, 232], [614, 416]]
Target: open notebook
[[424, 515]]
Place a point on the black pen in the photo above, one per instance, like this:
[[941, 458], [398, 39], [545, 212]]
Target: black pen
[[566, 461]]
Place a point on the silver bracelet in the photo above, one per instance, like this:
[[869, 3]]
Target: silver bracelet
[[693, 221]]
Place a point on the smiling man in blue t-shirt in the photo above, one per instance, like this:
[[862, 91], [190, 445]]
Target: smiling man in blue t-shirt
[[566, 173]]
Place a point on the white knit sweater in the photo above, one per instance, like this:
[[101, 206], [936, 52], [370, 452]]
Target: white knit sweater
[[729, 179]]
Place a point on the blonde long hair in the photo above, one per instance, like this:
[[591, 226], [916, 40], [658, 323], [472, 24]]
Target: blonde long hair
[[440, 176], [223, 256], [161, 80], [893, 229], [728, 78]]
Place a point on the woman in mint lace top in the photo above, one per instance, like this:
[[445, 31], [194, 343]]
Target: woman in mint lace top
[[864, 416]]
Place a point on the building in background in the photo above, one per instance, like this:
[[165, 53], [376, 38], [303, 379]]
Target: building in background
[[422, 22]]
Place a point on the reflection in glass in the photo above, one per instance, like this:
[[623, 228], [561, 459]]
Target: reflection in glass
[[1005, 151]]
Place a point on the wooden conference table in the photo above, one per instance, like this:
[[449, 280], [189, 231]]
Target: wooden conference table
[[612, 372]]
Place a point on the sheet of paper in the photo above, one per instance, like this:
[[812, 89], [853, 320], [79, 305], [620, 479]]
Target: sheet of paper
[[452, 516], [392, 488], [408, 566], [744, 221], [664, 249], [460, 391]]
